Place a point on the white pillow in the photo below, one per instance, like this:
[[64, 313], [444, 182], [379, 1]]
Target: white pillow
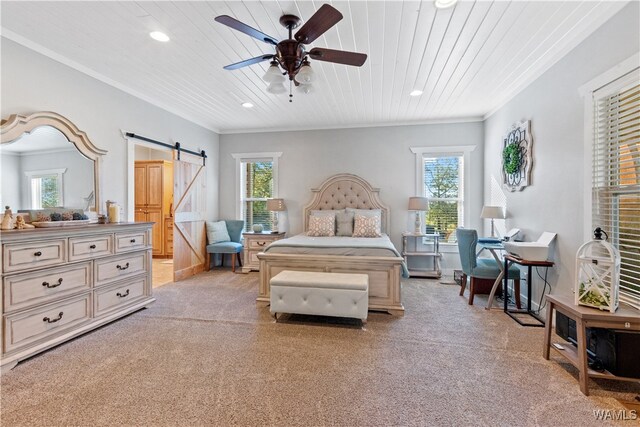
[[217, 232], [364, 226], [322, 226]]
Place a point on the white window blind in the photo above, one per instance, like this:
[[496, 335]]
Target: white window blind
[[616, 176], [443, 186], [256, 186]]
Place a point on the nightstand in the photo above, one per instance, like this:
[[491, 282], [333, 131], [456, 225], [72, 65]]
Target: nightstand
[[429, 251], [255, 243]]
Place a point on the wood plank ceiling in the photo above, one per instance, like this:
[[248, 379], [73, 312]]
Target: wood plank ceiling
[[468, 60]]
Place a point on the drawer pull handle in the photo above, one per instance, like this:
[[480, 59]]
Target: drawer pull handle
[[92, 247], [37, 253], [123, 295], [55, 285], [46, 319], [132, 240], [261, 243], [119, 267]]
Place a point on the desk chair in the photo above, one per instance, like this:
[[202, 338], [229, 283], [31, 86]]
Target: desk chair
[[482, 271], [233, 247]]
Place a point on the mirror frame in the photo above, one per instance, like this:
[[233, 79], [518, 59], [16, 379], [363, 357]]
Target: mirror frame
[[16, 126]]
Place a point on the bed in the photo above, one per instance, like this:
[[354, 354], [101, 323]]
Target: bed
[[376, 257]]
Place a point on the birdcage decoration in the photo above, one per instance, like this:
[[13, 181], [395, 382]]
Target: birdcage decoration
[[598, 274]]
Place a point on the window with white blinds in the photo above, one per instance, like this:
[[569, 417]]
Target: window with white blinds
[[443, 186], [616, 175]]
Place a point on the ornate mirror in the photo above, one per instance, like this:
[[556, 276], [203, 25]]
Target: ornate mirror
[[47, 162]]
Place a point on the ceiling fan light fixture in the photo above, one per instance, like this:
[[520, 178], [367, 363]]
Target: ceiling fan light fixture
[[159, 36], [306, 89], [247, 105], [276, 88], [444, 4], [273, 74], [305, 75], [415, 93]]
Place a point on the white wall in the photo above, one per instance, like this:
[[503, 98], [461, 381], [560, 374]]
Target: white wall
[[32, 82], [11, 173], [144, 153], [380, 155], [555, 200]]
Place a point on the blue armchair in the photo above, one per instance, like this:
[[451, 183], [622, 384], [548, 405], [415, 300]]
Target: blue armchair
[[482, 271], [233, 247]]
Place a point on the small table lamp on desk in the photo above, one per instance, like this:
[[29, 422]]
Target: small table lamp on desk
[[493, 212], [529, 264]]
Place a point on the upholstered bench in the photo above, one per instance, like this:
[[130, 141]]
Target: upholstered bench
[[325, 294]]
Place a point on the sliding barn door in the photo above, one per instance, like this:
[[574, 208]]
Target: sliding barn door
[[189, 237]]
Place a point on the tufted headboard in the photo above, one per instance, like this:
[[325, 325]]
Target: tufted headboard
[[346, 191]]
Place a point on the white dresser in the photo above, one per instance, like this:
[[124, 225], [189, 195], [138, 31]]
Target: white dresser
[[60, 282]]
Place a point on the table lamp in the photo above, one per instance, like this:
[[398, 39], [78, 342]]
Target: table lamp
[[418, 204], [275, 206], [493, 212]]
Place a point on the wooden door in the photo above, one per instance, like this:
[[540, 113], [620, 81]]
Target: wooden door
[[157, 238], [140, 185], [154, 185], [189, 237], [139, 215]]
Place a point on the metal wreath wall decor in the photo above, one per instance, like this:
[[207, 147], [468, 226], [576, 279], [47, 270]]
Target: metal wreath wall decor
[[517, 156]]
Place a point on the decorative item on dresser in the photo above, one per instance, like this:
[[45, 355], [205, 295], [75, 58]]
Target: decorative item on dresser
[[154, 198], [58, 283], [254, 243]]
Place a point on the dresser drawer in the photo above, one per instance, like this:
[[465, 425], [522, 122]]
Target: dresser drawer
[[23, 256], [114, 297], [90, 247], [253, 258], [110, 269], [26, 289], [25, 328], [130, 241], [259, 243]]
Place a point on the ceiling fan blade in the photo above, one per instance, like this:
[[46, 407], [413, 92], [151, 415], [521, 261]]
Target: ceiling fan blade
[[244, 28], [248, 62], [325, 18], [338, 56]]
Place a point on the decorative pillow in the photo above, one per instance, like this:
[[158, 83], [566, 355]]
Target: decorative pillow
[[344, 223], [367, 212], [217, 232], [322, 226], [366, 226]]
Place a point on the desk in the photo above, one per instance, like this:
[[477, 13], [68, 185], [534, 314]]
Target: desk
[[586, 317], [529, 264], [493, 247]]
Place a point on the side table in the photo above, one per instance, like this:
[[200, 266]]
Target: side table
[[433, 254], [586, 317], [529, 264], [255, 243]]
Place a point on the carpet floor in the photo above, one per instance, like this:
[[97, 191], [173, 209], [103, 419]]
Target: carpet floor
[[204, 354]]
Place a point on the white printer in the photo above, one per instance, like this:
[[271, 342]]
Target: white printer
[[532, 251]]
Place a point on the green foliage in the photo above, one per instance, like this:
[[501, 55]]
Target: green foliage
[[512, 158], [259, 186], [442, 180], [50, 192]]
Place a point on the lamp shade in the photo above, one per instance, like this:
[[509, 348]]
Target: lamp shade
[[275, 205], [306, 74], [493, 212], [273, 74], [276, 88], [418, 203]]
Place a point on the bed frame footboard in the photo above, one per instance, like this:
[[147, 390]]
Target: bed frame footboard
[[384, 275]]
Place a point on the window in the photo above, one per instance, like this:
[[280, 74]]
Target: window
[[45, 188], [442, 173], [615, 181], [256, 182]]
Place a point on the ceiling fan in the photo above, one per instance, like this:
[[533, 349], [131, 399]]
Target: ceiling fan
[[291, 55]]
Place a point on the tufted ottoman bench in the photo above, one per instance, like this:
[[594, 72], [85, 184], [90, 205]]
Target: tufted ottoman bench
[[325, 294]]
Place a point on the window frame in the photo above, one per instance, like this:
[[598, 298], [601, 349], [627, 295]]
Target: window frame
[[58, 173], [442, 151], [253, 157], [600, 87]]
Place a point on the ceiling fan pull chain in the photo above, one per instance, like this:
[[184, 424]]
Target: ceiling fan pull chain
[[290, 90]]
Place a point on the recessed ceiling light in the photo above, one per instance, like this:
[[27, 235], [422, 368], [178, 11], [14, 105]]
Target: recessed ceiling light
[[416, 93], [247, 105], [443, 4], [159, 36]]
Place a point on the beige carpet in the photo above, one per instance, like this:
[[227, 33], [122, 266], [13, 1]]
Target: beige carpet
[[205, 355]]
